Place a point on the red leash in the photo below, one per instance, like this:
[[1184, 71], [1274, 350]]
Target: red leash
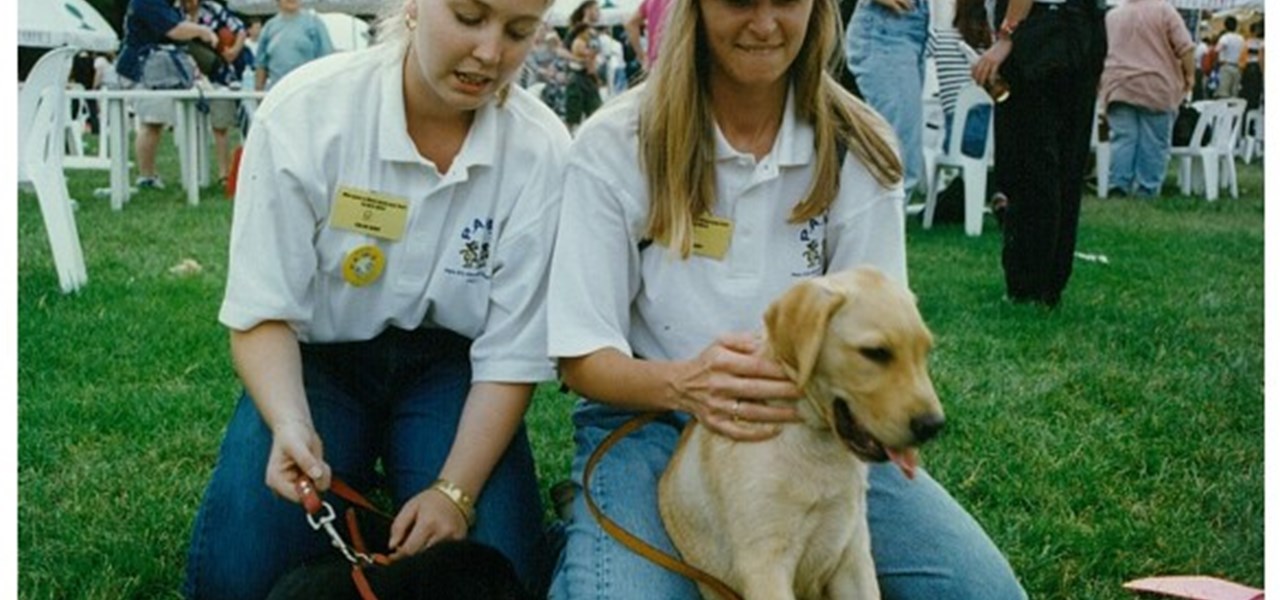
[[320, 515]]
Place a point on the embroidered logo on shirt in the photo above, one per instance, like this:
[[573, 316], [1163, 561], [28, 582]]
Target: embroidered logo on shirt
[[476, 238], [812, 238], [812, 251]]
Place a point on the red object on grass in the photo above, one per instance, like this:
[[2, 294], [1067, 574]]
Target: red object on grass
[[232, 172]]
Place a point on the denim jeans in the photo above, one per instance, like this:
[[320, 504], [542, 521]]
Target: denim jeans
[[886, 56], [926, 547], [396, 398], [1140, 139]]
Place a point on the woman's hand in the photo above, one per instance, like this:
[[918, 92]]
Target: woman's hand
[[424, 520], [726, 385], [296, 450], [988, 64]]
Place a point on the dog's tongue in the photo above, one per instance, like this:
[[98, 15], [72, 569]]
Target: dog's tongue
[[907, 460]]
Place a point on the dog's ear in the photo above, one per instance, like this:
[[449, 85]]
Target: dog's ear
[[797, 323]]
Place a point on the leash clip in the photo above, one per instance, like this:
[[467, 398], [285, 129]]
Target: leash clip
[[320, 515], [325, 522]]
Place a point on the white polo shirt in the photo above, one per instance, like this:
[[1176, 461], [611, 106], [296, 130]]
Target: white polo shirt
[[606, 292], [476, 245], [1230, 45]]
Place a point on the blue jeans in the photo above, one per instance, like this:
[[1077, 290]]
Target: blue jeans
[[1140, 140], [396, 398], [886, 56], [926, 547]]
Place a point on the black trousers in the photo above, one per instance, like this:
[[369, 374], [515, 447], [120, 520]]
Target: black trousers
[[1042, 144]]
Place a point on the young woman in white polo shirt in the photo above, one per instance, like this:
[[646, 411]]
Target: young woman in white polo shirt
[[741, 142], [385, 295]]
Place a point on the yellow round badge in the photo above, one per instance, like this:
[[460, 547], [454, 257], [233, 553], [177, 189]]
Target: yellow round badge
[[363, 265]]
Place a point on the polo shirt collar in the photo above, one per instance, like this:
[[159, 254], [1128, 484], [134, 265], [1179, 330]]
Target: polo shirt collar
[[793, 146], [394, 143]]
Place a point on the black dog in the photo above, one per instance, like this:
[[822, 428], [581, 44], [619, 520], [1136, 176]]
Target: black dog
[[455, 570]]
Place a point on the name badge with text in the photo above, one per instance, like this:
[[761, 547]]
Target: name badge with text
[[711, 236], [371, 213]]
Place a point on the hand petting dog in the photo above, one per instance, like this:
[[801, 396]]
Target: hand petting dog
[[726, 385], [423, 521]]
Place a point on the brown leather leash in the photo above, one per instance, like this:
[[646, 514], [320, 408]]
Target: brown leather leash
[[320, 515], [628, 539]]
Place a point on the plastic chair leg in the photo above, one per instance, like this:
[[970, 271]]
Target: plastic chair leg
[[60, 226], [930, 170], [1210, 165], [1229, 176], [1102, 158], [1184, 175], [975, 190], [931, 198]]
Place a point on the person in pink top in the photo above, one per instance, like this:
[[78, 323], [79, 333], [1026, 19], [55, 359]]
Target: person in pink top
[[648, 18], [1149, 69]]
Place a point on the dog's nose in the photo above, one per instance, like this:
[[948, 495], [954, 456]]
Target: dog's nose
[[926, 427]]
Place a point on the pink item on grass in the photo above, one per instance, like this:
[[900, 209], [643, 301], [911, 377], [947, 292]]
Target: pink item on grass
[[1195, 588]]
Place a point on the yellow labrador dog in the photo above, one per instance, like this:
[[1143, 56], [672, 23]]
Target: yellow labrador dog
[[786, 517]]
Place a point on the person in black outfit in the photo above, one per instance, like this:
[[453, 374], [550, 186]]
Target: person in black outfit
[[1051, 56], [1251, 78]]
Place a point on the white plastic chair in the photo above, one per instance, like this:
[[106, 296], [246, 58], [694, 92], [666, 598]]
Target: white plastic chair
[[974, 170], [76, 157], [42, 108], [1232, 124], [76, 125], [56, 71], [1201, 151], [1101, 152], [1216, 168], [931, 144], [1252, 136]]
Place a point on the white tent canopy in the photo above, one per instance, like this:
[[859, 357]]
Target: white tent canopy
[[1215, 5], [54, 23], [350, 7], [346, 32]]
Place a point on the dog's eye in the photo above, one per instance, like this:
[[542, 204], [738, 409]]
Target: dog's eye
[[877, 354]]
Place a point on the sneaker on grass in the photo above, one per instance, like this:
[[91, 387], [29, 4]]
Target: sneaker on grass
[[149, 183]]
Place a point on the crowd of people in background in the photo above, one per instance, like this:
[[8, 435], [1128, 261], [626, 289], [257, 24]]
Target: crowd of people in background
[[176, 44], [1135, 62], [850, 158], [577, 66]]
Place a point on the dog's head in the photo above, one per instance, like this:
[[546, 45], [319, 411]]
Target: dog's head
[[855, 343]]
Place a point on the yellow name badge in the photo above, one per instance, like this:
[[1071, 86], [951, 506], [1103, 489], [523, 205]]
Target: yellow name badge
[[371, 213], [711, 236]]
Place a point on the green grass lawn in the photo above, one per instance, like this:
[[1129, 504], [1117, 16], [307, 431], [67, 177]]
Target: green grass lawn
[[1120, 436]]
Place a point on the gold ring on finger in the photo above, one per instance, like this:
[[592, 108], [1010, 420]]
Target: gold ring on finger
[[737, 410]]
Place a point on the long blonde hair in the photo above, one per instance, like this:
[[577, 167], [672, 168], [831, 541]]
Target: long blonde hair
[[677, 146]]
